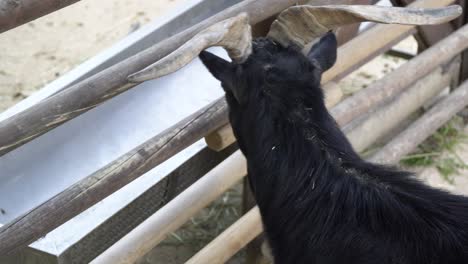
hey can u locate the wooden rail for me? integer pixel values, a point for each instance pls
(172, 216)
(14, 13)
(38, 222)
(137, 239)
(398, 80)
(425, 126)
(25, 229)
(400, 108)
(222, 248)
(87, 94)
(351, 56)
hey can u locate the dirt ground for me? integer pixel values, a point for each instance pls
(38, 52)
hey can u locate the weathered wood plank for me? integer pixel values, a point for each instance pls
(351, 56)
(246, 229)
(221, 138)
(113, 229)
(234, 238)
(72, 201)
(428, 35)
(402, 77)
(14, 13)
(425, 126)
(373, 42)
(87, 94)
(400, 108)
(87, 192)
(153, 230)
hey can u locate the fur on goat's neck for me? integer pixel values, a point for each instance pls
(319, 201)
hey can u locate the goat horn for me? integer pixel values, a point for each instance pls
(300, 25)
(233, 34)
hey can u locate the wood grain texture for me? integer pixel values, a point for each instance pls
(377, 123)
(153, 199)
(425, 126)
(234, 238)
(221, 248)
(221, 138)
(373, 42)
(401, 78)
(84, 96)
(153, 230)
(87, 94)
(38, 222)
(14, 13)
(427, 35)
(353, 54)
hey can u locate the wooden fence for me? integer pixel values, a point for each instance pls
(379, 108)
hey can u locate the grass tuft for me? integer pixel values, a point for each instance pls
(439, 151)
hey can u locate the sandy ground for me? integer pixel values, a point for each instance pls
(38, 52)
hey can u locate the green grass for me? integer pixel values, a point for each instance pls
(439, 151)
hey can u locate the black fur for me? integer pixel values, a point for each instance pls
(319, 201)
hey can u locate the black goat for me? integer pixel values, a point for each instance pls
(319, 201)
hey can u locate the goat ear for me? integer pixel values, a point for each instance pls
(324, 51)
(221, 69)
(224, 71)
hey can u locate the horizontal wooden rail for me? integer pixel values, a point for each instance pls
(391, 153)
(82, 195)
(373, 42)
(87, 94)
(25, 229)
(145, 205)
(400, 108)
(169, 218)
(401, 78)
(351, 56)
(38, 222)
(425, 126)
(14, 13)
(118, 252)
(231, 240)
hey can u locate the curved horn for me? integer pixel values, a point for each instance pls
(299, 25)
(233, 34)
